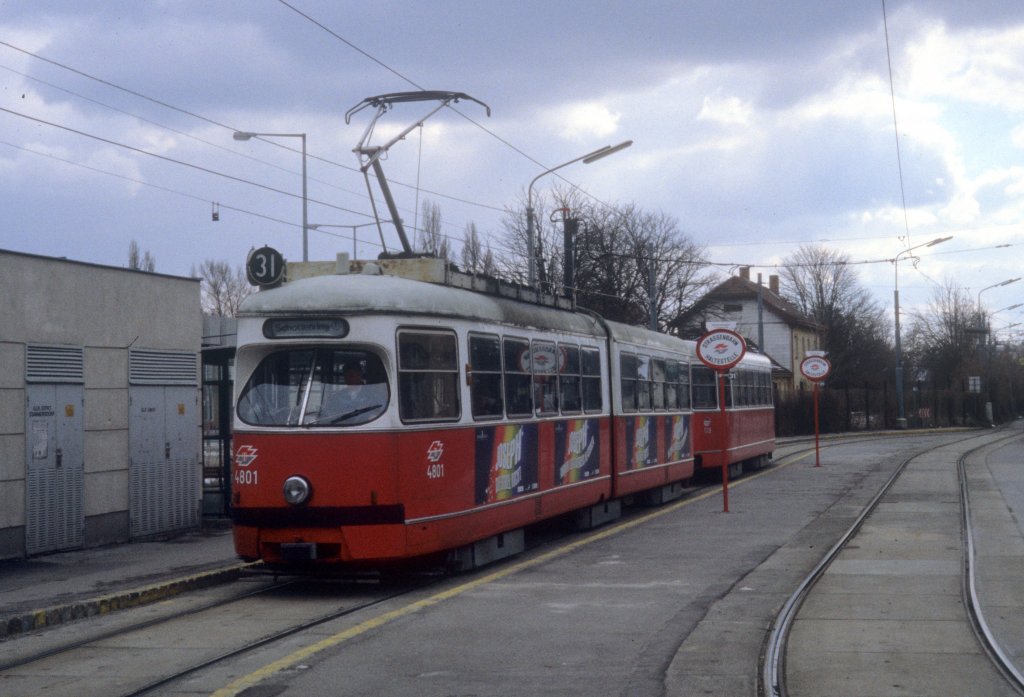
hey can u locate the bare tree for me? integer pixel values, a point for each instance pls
(430, 238)
(222, 288)
(477, 257)
(822, 284)
(617, 248)
(946, 337)
(145, 262)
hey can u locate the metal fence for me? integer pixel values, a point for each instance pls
(869, 407)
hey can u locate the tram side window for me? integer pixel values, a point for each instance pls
(643, 382)
(518, 387)
(671, 385)
(740, 388)
(627, 385)
(705, 394)
(766, 388)
(569, 378)
(545, 379)
(428, 376)
(590, 361)
(485, 369)
(658, 384)
(684, 386)
(750, 387)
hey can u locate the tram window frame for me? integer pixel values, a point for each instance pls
(627, 381)
(643, 382)
(432, 367)
(486, 380)
(569, 381)
(590, 369)
(658, 384)
(671, 385)
(307, 386)
(545, 377)
(518, 379)
(702, 388)
(685, 401)
(740, 388)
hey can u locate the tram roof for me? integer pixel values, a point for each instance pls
(381, 294)
(350, 294)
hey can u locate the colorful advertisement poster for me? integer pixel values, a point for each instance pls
(506, 462)
(677, 436)
(577, 450)
(641, 442)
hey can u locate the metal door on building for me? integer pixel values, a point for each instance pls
(54, 449)
(164, 441)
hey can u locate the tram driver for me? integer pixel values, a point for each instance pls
(354, 401)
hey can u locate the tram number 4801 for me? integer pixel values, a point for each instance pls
(435, 471)
(243, 477)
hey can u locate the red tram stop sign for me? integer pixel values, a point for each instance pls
(720, 350)
(816, 369)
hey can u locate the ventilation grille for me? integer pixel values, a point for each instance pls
(64, 364)
(162, 368)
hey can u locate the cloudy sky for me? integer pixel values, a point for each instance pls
(759, 125)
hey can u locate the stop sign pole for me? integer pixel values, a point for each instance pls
(816, 369)
(720, 350)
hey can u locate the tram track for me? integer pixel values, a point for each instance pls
(972, 602)
(134, 627)
(771, 674)
(36, 662)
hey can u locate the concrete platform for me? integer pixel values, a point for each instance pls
(57, 588)
(888, 617)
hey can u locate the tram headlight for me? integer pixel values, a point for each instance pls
(296, 490)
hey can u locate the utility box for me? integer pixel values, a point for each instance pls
(55, 448)
(100, 425)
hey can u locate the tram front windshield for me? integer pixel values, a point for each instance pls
(316, 387)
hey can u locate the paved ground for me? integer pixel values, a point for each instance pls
(676, 603)
(888, 616)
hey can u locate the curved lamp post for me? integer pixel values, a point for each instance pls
(247, 135)
(995, 285)
(901, 418)
(586, 159)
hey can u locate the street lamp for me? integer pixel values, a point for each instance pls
(246, 135)
(586, 159)
(901, 419)
(317, 226)
(995, 285)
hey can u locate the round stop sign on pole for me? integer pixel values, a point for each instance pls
(721, 349)
(816, 369)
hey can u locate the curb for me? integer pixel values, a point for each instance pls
(60, 614)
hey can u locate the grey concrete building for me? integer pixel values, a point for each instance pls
(99, 404)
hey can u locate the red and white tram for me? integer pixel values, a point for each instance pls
(381, 419)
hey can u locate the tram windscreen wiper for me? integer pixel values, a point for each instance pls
(352, 414)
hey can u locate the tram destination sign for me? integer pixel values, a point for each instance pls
(721, 349)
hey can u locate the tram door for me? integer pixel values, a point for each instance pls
(54, 449)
